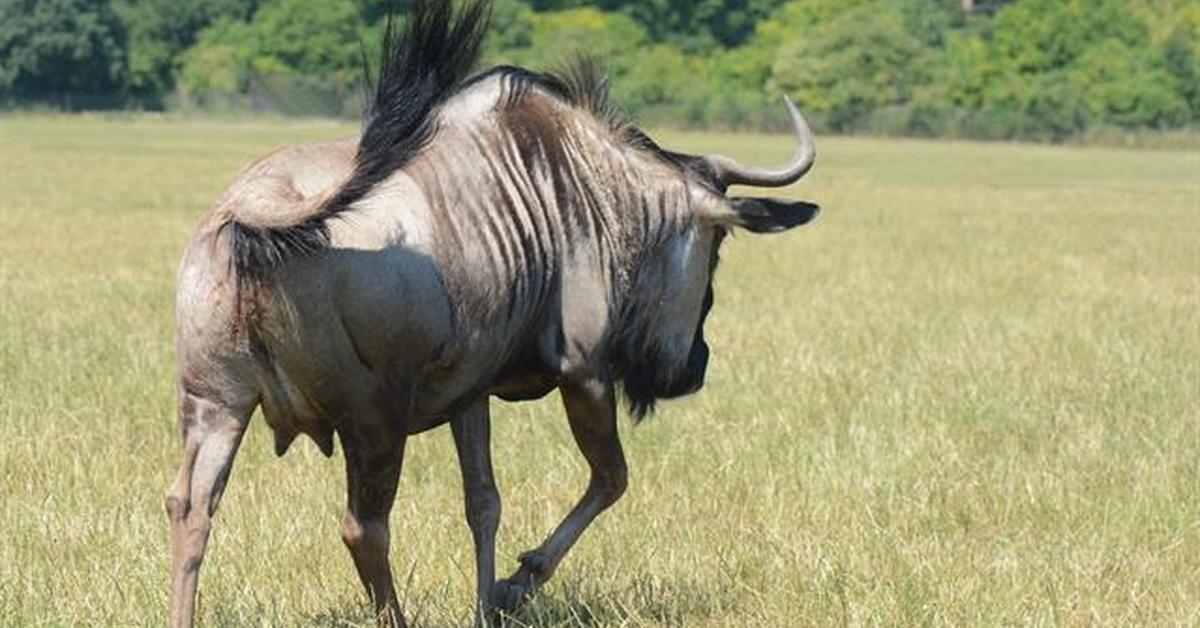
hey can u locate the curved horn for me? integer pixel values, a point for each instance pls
(729, 172)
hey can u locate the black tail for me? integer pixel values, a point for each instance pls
(421, 63)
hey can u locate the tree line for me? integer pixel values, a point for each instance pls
(1045, 69)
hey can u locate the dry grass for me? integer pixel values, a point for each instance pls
(968, 395)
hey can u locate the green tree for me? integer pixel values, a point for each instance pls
(1046, 35)
(220, 60)
(699, 25)
(307, 37)
(512, 27)
(1063, 65)
(1021, 68)
(800, 19)
(1181, 60)
(1125, 87)
(696, 25)
(292, 57)
(552, 39)
(861, 61)
(160, 30)
(64, 51)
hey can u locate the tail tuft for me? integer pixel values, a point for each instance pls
(420, 66)
(421, 63)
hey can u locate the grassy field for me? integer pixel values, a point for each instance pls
(968, 395)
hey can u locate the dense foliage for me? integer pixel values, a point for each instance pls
(1019, 68)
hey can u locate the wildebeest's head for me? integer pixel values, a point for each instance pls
(668, 357)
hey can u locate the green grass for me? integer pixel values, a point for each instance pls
(968, 395)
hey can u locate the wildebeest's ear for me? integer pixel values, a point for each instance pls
(771, 215)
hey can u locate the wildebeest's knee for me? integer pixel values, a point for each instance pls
(176, 506)
(357, 533)
(613, 482)
(352, 531)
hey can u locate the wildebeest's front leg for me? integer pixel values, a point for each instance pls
(212, 432)
(591, 410)
(373, 462)
(472, 439)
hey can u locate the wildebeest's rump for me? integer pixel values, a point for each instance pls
(506, 235)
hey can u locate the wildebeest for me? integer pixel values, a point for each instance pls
(506, 235)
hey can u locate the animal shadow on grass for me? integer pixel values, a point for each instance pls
(343, 617)
(577, 602)
(583, 601)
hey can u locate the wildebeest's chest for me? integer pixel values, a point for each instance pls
(525, 377)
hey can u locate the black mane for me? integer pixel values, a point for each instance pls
(421, 65)
(584, 84)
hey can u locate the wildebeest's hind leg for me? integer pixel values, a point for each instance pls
(212, 432)
(591, 410)
(472, 440)
(374, 456)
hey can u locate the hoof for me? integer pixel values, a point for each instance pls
(535, 565)
(512, 593)
(509, 596)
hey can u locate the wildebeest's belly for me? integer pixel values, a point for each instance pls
(318, 397)
(434, 410)
(525, 387)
